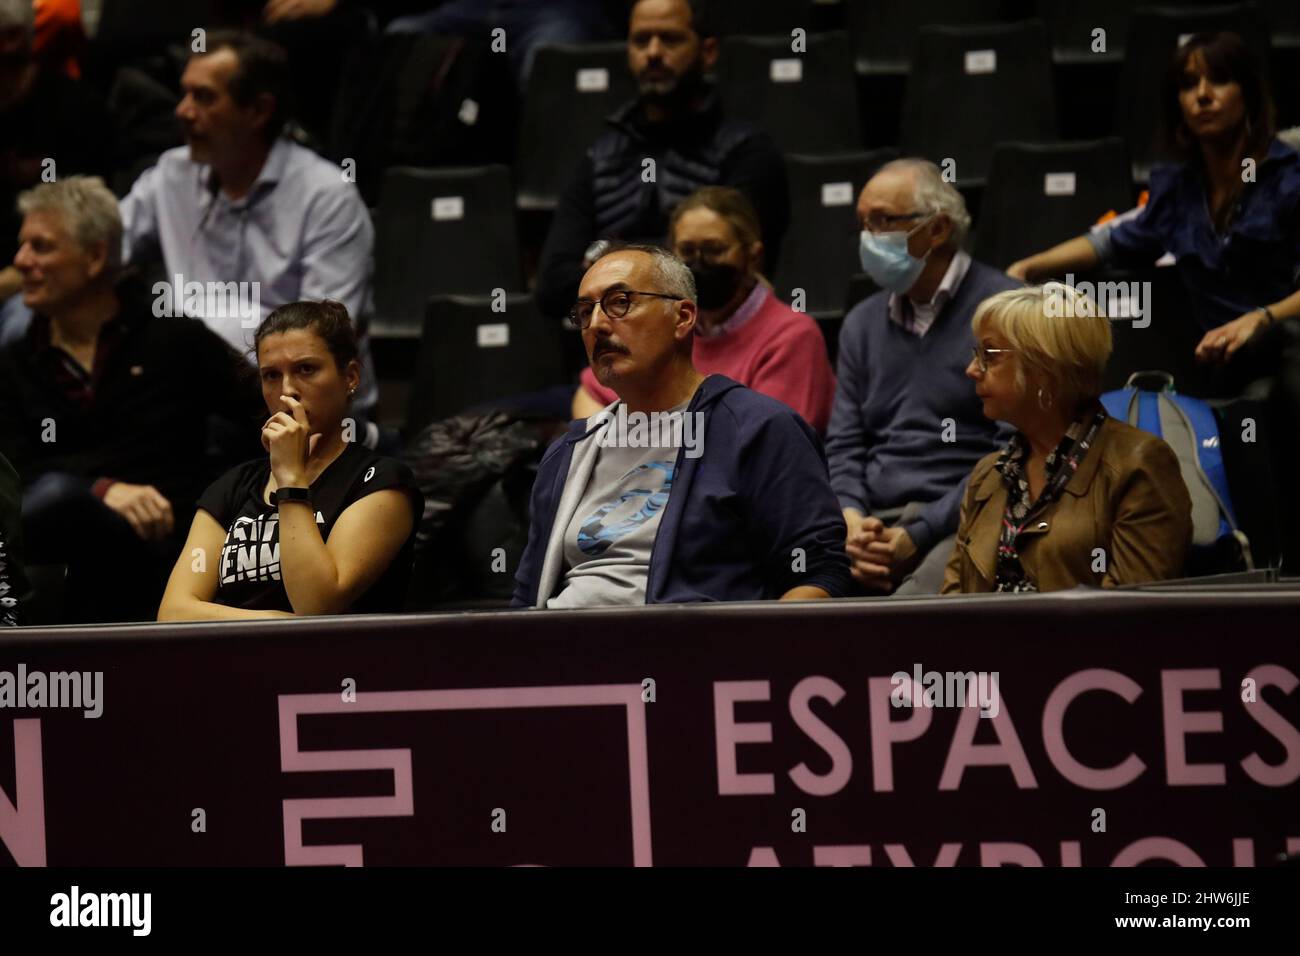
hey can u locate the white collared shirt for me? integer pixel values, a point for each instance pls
(917, 317)
(302, 232)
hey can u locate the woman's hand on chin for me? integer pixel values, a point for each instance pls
(288, 437)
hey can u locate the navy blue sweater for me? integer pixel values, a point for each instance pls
(736, 514)
(895, 392)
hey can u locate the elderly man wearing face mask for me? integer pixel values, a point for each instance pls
(743, 330)
(907, 427)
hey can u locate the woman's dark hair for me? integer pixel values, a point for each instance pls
(327, 318)
(1228, 58)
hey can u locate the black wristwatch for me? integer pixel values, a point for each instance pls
(292, 494)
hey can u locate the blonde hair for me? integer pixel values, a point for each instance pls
(89, 212)
(1059, 335)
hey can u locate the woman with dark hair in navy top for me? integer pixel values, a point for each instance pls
(1229, 213)
(321, 525)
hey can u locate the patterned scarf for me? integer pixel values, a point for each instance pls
(1059, 468)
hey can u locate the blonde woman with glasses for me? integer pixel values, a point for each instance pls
(1076, 497)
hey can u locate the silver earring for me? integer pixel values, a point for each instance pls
(1045, 406)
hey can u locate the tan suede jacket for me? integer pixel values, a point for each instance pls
(1127, 499)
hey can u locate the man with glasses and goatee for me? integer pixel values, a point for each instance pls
(685, 489)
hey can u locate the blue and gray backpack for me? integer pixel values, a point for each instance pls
(1189, 427)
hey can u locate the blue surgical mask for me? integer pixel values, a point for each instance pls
(885, 258)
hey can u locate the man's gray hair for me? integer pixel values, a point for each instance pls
(671, 274)
(89, 211)
(17, 14)
(935, 196)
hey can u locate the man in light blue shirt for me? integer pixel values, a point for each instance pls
(246, 220)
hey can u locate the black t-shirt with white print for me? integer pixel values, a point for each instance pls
(249, 572)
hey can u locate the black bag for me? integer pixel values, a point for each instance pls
(422, 100)
(476, 472)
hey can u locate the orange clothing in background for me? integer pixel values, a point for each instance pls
(1112, 214)
(59, 39)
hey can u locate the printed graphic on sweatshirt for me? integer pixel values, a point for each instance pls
(654, 481)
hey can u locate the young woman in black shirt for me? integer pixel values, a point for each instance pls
(320, 526)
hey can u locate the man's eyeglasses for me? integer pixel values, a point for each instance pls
(615, 303)
(882, 222)
(982, 355)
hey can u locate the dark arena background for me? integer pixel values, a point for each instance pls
(846, 438)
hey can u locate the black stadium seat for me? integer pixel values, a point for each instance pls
(1283, 18)
(1154, 35)
(1070, 24)
(1167, 343)
(884, 33)
(129, 29)
(972, 87)
(441, 231)
(1250, 468)
(1039, 194)
(572, 89)
(752, 17)
(44, 603)
(807, 101)
(820, 254)
(479, 347)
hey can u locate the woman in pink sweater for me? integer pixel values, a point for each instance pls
(744, 331)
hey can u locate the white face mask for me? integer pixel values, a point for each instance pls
(885, 258)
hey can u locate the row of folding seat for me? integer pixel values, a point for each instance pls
(450, 235)
(970, 87)
(454, 231)
(882, 31)
(802, 88)
(474, 348)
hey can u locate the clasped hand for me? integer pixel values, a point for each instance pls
(880, 556)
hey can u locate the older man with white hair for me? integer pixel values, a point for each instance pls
(687, 488)
(907, 427)
(104, 406)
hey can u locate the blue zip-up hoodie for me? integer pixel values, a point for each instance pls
(737, 514)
